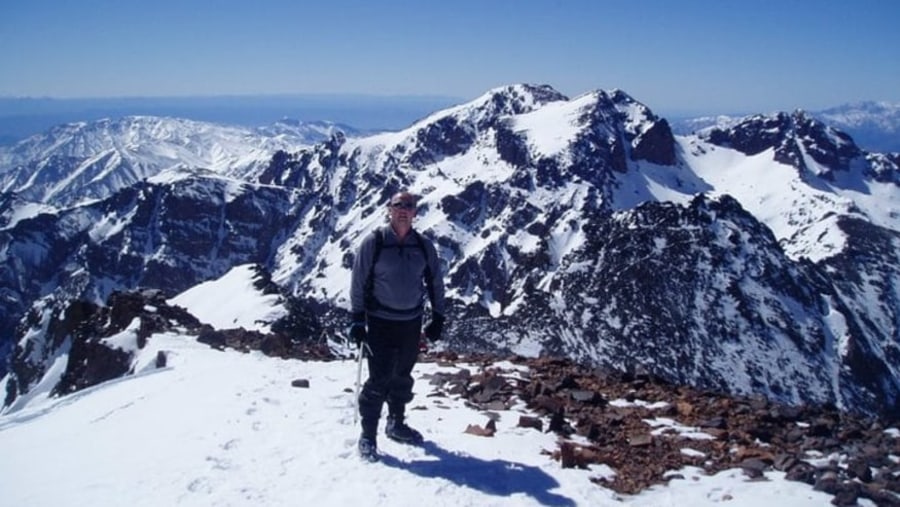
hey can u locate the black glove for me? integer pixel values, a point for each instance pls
(358, 328)
(434, 328)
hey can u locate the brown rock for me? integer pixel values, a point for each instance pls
(684, 408)
(531, 422)
(567, 454)
(859, 468)
(643, 440)
(487, 431)
(785, 462)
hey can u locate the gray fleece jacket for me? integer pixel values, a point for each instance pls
(399, 283)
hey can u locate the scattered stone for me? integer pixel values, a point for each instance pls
(641, 440)
(785, 462)
(567, 455)
(684, 408)
(531, 422)
(496, 405)
(847, 494)
(754, 468)
(859, 468)
(487, 431)
(587, 397)
(802, 472)
(572, 455)
(300, 382)
(558, 423)
(829, 482)
(713, 423)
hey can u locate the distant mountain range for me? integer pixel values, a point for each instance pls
(76, 162)
(761, 256)
(21, 118)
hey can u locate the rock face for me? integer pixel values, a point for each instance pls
(578, 228)
(791, 136)
(82, 330)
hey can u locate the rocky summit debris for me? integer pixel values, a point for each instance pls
(646, 429)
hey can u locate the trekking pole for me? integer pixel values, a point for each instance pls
(363, 346)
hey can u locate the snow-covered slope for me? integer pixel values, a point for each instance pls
(227, 428)
(246, 307)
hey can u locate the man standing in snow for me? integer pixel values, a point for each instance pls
(394, 269)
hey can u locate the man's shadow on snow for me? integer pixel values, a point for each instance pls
(494, 477)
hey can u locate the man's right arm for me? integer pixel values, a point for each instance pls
(362, 263)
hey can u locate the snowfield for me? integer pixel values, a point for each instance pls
(227, 428)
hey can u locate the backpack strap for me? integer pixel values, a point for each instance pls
(429, 279)
(370, 301)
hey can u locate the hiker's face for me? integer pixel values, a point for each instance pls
(402, 211)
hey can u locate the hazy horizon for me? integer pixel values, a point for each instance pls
(688, 57)
(26, 116)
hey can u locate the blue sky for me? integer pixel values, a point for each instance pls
(719, 56)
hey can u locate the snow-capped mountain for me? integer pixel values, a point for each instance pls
(86, 161)
(761, 257)
(874, 126)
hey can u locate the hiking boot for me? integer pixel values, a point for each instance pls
(398, 431)
(368, 449)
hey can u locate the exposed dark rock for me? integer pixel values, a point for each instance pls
(488, 430)
(656, 145)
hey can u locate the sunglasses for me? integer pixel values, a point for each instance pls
(403, 205)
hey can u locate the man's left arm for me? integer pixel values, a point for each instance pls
(435, 293)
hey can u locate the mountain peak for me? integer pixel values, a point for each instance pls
(502, 101)
(523, 93)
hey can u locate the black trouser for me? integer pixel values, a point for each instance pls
(395, 348)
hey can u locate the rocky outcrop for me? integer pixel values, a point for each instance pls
(99, 343)
(80, 330)
(791, 136)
